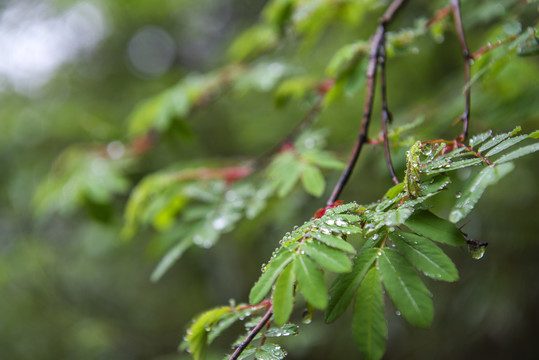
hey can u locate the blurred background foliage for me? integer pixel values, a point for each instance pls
(75, 77)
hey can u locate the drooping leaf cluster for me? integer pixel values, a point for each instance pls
(398, 238)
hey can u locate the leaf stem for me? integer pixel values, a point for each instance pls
(386, 114)
(376, 44)
(265, 319)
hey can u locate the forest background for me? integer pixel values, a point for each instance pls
(73, 72)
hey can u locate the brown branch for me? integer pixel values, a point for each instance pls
(376, 44)
(465, 118)
(252, 334)
(439, 15)
(386, 114)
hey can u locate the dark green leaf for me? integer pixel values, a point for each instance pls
(283, 295)
(369, 321)
(313, 180)
(285, 330)
(344, 287)
(425, 256)
(333, 241)
(311, 281)
(431, 226)
(474, 190)
(329, 258)
(405, 288)
(266, 280)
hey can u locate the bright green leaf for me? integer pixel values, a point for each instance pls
(283, 295)
(266, 280)
(329, 258)
(369, 322)
(425, 256)
(313, 180)
(311, 281)
(197, 335)
(333, 241)
(405, 288)
(270, 352)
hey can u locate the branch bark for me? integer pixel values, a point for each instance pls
(376, 44)
(465, 118)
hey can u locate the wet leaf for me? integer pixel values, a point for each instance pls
(311, 281)
(345, 285)
(405, 288)
(273, 270)
(425, 256)
(369, 321)
(329, 258)
(431, 226)
(475, 189)
(283, 295)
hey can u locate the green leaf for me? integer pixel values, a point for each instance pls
(283, 295)
(266, 280)
(518, 153)
(394, 191)
(333, 241)
(311, 281)
(475, 189)
(431, 226)
(253, 42)
(344, 287)
(285, 330)
(506, 144)
(270, 352)
(313, 180)
(329, 258)
(369, 322)
(170, 258)
(405, 288)
(425, 256)
(534, 135)
(197, 335)
(323, 159)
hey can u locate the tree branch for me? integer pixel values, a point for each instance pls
(376, 43)
(465, 118)
(252, 334)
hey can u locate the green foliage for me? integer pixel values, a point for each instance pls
(346, 251)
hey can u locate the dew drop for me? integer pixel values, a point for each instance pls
(341, 222)
(458, 195)
(398, 313)
(330, 222)
(220, 223)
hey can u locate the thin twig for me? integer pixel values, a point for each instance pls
(465, 118)
(386, 114)
(376, 43)
(252, 334)
(490, 46)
